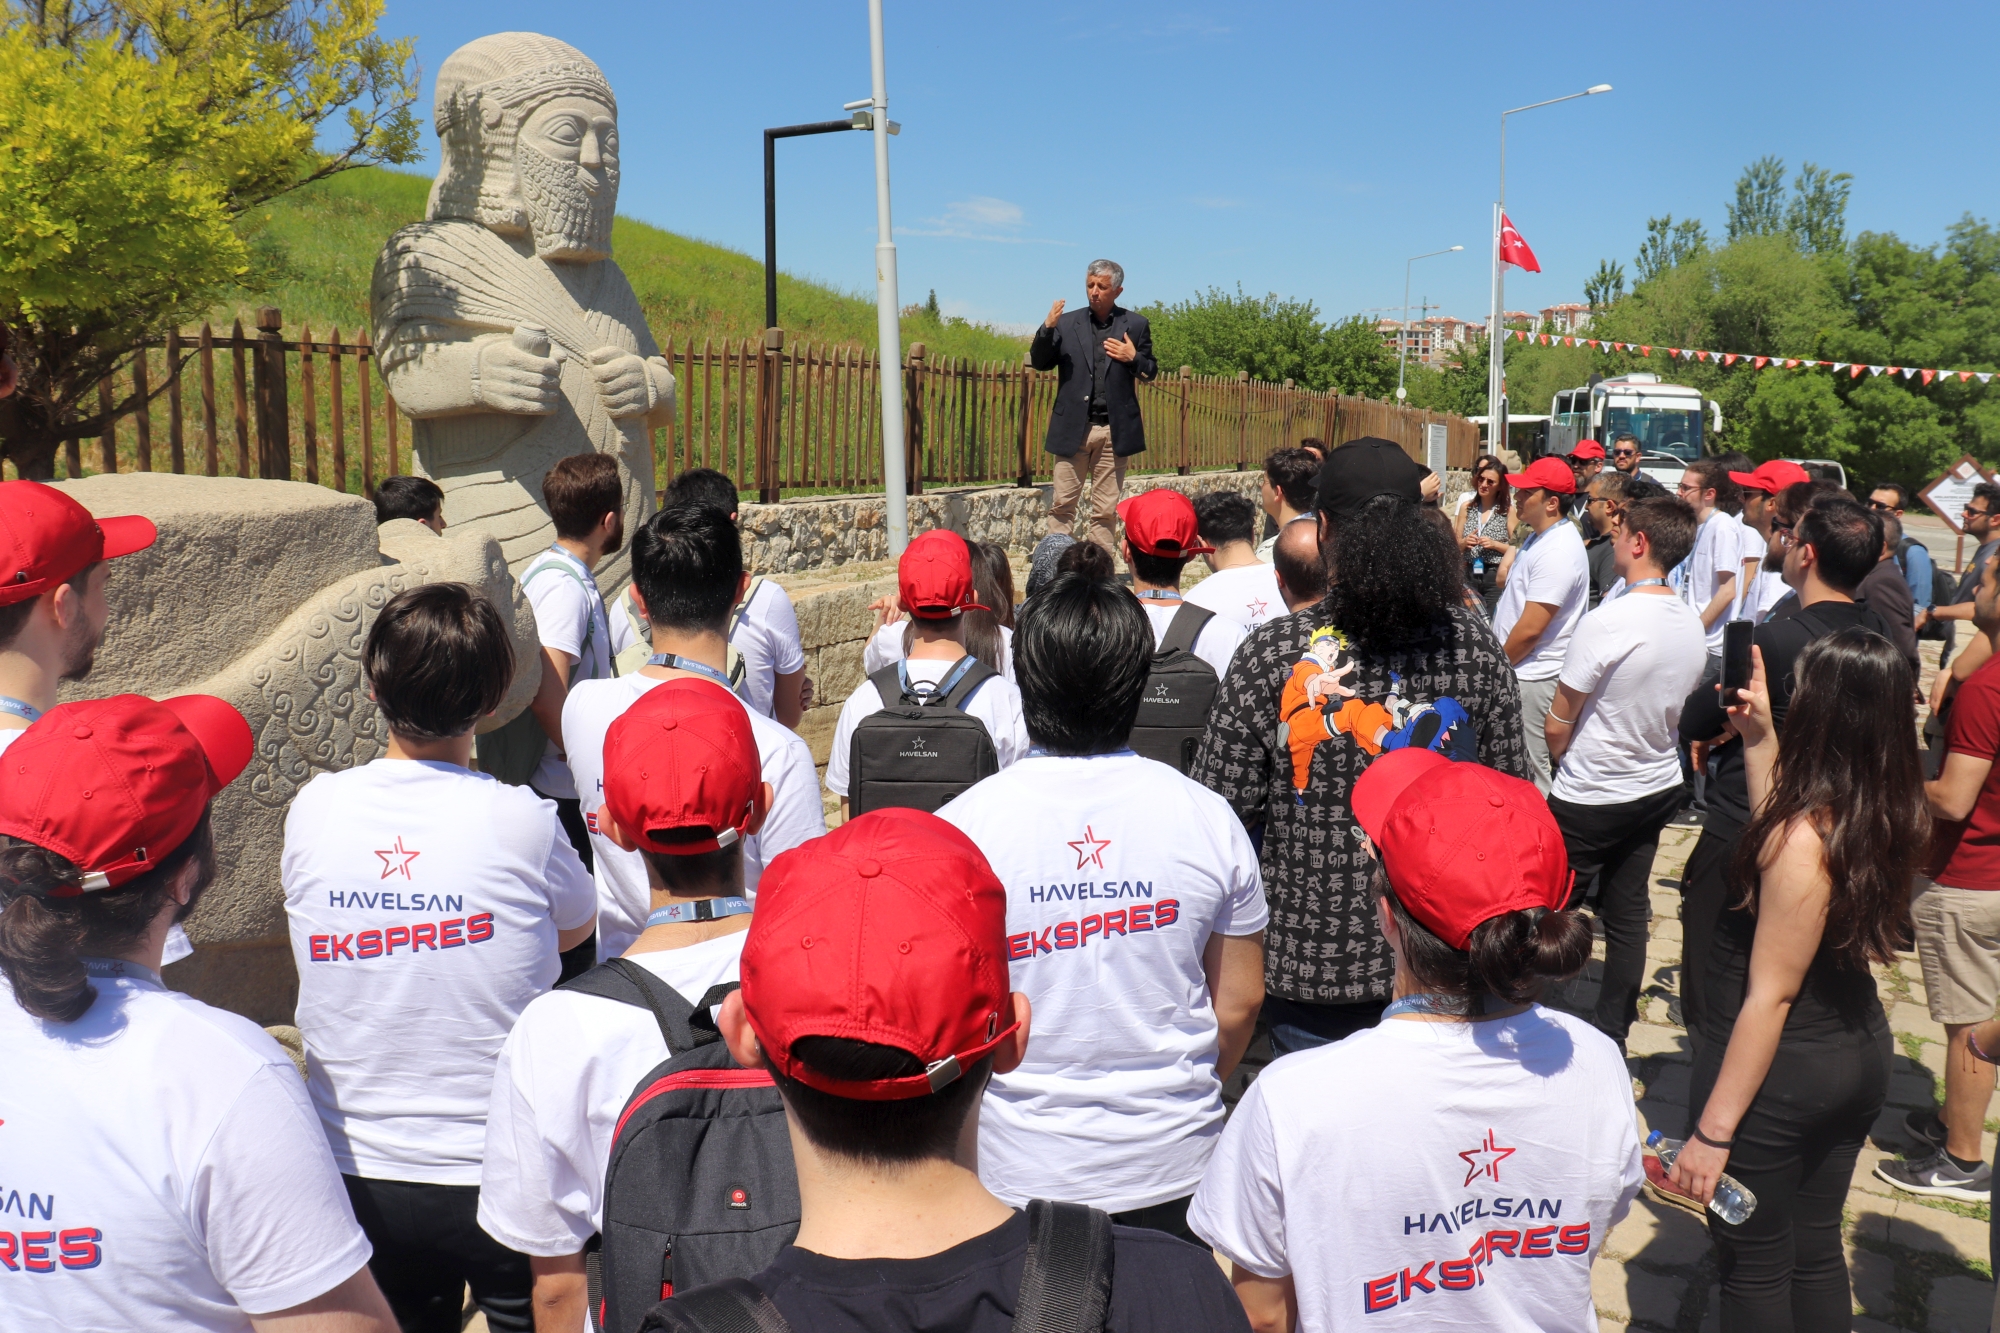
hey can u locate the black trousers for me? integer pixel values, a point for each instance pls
(428, 1247)
(1615, 844)
(1704, 895)
(1783, 1270)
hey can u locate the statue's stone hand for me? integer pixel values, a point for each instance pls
(622, 382)
(518, 375)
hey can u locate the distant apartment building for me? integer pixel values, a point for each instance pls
(1432, 341)
(1569, 317)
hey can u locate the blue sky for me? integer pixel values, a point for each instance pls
(1306, 149)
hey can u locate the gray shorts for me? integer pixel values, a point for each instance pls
(1958, 945)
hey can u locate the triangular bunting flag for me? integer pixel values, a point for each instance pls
(1929, 375)
(1673, 351)
(1854, 372)
(1758, 361)
(1791, 363)
(1542, 338)
(1731, 359)
(1876, 370)
(1964, 375)
(1838, 366)
(1646, 351)
(1897, 370)
(1985, 376)
(1618, 347)
(1569, 342)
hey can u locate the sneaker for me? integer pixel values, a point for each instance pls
(1926, 1128)
(1686, 817)
(1940, 1178)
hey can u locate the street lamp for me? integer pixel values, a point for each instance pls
(1403, 343)
(889, 330)
(860, 120)
(1496, 414)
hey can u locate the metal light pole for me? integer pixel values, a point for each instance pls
(1403, 342)
(771, 137)
(888, 325)
(1496, 412)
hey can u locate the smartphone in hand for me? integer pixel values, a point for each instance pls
(1736, 664)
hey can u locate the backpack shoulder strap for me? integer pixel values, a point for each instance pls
(888, 683)
(734, 1305)
(1186, 627)
(590, 587)
(743, 607)
(625, 981)
(1066, 1286)
(975, 675)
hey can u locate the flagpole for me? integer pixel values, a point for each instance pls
(1496, 413)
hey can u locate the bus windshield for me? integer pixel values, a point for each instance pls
(1658, 430)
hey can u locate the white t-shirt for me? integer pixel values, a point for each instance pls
(1216, 643)
(996, 703)
(1431, 1175)
(163, 1168)
(1247, 594)
(8, 736)
(1718, 550)
(623, 892)
(568, 610)
(767, 636)
(559, 1088)
(1636, 658)
(424, 903)
(1117, 871)
(885, 646)
(1551, 567)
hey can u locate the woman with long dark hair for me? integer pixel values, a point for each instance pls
(1482, 528)
(1795, 1061)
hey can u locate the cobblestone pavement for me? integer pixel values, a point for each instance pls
(1915, 1263)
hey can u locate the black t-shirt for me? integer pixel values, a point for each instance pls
(1781, 640)
(1158, 1285)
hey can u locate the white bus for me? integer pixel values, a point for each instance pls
(1671, 421)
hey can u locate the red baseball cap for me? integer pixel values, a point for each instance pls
(1771, 477)
(935, 576)
(684, 757)
(116, 784)
(47, 538)
(1550, 474)
(1587, 449)
(1161, 522)
(1460, 842)
(891, 929)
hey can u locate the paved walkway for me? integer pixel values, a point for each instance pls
(1916, 1264)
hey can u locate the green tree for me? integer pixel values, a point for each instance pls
(1353, 359)
(136, 139)
(1668, 243)
(1794, 414)
(1459, 386)
(1817, 215)
(1759, 209)
(1219, 333)
(1606, 285)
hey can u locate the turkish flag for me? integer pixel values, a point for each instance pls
(1514, 250)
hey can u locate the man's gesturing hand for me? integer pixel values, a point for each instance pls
(1055, 312)
(1120, 349)
(518, 375)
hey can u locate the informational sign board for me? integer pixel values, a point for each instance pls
(1434, 440)
(1949, 494)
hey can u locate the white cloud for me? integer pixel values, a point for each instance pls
(984, 211)
(980, 218)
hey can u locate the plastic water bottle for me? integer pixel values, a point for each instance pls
(1732, 1203)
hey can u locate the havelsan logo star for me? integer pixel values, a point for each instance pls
(396, 860)
(1485, 1159)
(1089, 849)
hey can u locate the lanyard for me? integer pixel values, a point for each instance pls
(705, 909)
(20, 708)
(675, 662)
(1644, 583)
(924, 692)
(1432, 1004)
(1159, 595)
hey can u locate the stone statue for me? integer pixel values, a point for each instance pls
(262, 592)
(504, 329)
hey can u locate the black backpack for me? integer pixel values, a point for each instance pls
(1173, 713)
(701, 1184)
(921, 748)
(1065, 1288)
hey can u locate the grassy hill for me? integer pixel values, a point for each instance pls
(316, 248)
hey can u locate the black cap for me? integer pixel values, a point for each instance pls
(1360, 470)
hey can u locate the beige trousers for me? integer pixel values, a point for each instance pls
(1095, 468)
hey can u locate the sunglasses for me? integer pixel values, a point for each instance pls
(1624, 453)
(1976, 513)
(1880, 507)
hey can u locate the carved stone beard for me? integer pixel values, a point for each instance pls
(567, 221)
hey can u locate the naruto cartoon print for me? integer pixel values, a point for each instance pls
(1319, 705)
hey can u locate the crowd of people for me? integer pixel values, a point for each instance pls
(1363, 791)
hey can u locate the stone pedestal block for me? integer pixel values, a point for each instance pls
(262, 593)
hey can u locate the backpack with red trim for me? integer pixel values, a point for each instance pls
(700, 1185)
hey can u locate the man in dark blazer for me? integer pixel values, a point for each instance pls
(1102, 353)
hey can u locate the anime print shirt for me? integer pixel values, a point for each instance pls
(1298, 718)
